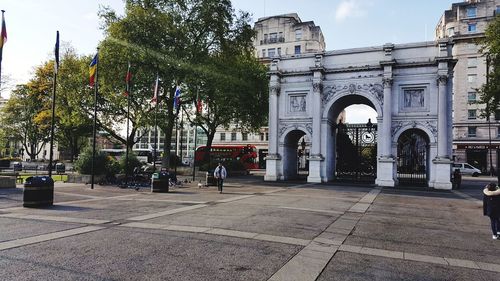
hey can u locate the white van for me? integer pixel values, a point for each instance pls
(466, 169)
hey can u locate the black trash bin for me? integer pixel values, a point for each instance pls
(38, 192)
(60, 168)
(210, 178)
(160, 182)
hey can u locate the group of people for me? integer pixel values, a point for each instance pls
(491, 207)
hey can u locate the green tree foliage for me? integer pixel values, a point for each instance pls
(133, 163)
(73, 125)
(490, 92)
(27, 113)
(203, 46)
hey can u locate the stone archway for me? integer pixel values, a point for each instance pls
(405, 84)
(351, 149)
(413, 158)
(292, 156)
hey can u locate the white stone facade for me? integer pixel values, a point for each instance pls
(465, 23)
(408, 85)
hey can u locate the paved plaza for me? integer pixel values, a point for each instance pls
(255, 230)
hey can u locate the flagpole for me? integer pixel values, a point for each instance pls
(52, 121)
(129, 93)
(155, 122)
(96, 86)
(1, 52)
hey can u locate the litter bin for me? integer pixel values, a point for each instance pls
(210, 179)
(60, 168)
(159, 182)
(38, 192)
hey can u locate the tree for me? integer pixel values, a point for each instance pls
(24, 114)
(73, 126)
(490, 92)
(202, 46)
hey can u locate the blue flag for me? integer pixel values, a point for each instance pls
(177, 98)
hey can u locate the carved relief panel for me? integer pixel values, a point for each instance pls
(297, 103)
(414, 98)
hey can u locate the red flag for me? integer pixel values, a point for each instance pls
(3, 32)
(199, 106)
(128, 77)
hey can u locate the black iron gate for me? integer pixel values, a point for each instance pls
(356, 152)
(412, 158)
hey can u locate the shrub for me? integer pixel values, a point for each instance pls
(103, 164)
(133, 162)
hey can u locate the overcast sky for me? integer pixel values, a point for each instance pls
(32, 24)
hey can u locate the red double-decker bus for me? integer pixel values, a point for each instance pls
(246, 154)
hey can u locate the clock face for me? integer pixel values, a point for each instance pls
(367, 137)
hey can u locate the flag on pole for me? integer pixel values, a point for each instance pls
(56, 53)
(3, 34)
(199, 105)
(128, 77)
(93, 70)
(177, 98)
(154, 100)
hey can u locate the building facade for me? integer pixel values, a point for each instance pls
(476, 138)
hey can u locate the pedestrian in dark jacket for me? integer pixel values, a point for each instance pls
(491, 207)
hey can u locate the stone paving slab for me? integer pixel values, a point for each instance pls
(249, 218)
(141, 254)
(358, 267)
(11, 229)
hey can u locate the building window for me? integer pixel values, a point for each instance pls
(472, 78)
(498, 132)
(497, 11)
(244, 136)
(262, 136)
(297, 50)
(471, 62)
(273, 37)
(497, 114)
(472, 27)
(263, 53)
(471, 132)
(265, 38)
(279, 51)
(451, 31)
(267, 136)
(271, 52)
(298, 34)
(233, 136)
(471, 12)
(471, 114)
(471, 97)
(281, 39)
(222, 136)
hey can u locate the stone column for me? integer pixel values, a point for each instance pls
(273, 159)
(385, 169)
(442, 162)
(442, 82)
(315, 158)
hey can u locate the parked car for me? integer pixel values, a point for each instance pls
(467, 169)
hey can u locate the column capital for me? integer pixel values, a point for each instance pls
(442, 79)
(317, 86)
(275, 89)
(387, 81)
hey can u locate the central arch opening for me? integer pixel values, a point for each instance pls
(353, 147)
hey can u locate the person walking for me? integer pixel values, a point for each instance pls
(220, 174)
(491, 207)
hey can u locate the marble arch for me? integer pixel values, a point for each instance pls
(408, 85)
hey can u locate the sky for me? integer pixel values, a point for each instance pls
(32, 25)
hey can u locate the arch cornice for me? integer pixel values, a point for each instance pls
(429, 127)
(374, 92)
(286, 128)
